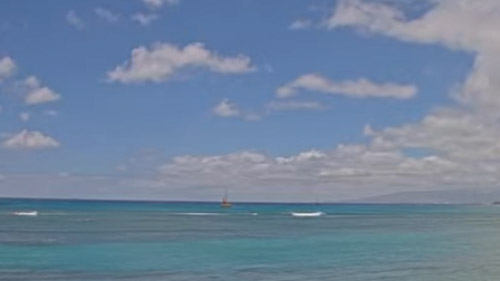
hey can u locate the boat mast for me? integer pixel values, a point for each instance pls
(224, 199)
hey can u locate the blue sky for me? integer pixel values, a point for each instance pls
(124, 129)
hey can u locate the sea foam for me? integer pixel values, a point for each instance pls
(307, 215)
(30, 213)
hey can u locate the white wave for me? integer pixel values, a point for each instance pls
(307, 215)
(30, 213)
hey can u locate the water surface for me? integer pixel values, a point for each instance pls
(100, 240)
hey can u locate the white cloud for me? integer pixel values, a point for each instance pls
(461, 141)
(7, 67)
(36, 93)
(24, 116)
(155, 4)
(73, 19)
(41, 95)
(294, 105)
(31, 82)
(458, 24)
(163, 60)
(300, 24)
(107, 15)
(346, 172)
(459, 135)
(144, 19)
(30, 140)
(349, 171)
(462, 24)
(360, 88)
(51, 113)
(226, 109)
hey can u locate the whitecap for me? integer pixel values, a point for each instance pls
(307, 215)
(29, 213)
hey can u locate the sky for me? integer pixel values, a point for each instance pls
(271, 100)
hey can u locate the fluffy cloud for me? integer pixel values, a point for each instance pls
(144, 19)
(155, 4)
(466, 25)
(349, 171)
(300, 24)
(73, 19)
(360, 88)
(462, 24)
(36, 93)
(52, 113)
(226, 109)
(24, 116)
(461, 141)
(458, 24)
(30, 140)
(107, 15)
(7, 67)
(41, 95)
(163, 60)
(460, 136)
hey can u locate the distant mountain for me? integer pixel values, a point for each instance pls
(437, 197)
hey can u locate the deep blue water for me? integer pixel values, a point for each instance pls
(91, 240)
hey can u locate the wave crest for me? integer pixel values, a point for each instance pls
(307, 215)
(25, 213)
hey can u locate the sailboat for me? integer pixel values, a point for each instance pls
(225, 203)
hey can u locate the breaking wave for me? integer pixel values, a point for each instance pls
(307, 215)
(24, 213)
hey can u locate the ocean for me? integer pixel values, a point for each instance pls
(104, 240)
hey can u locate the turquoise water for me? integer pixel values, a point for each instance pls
(89, 240)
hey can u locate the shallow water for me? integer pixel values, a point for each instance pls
(89, 240)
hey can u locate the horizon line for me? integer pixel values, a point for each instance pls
(116, 200)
